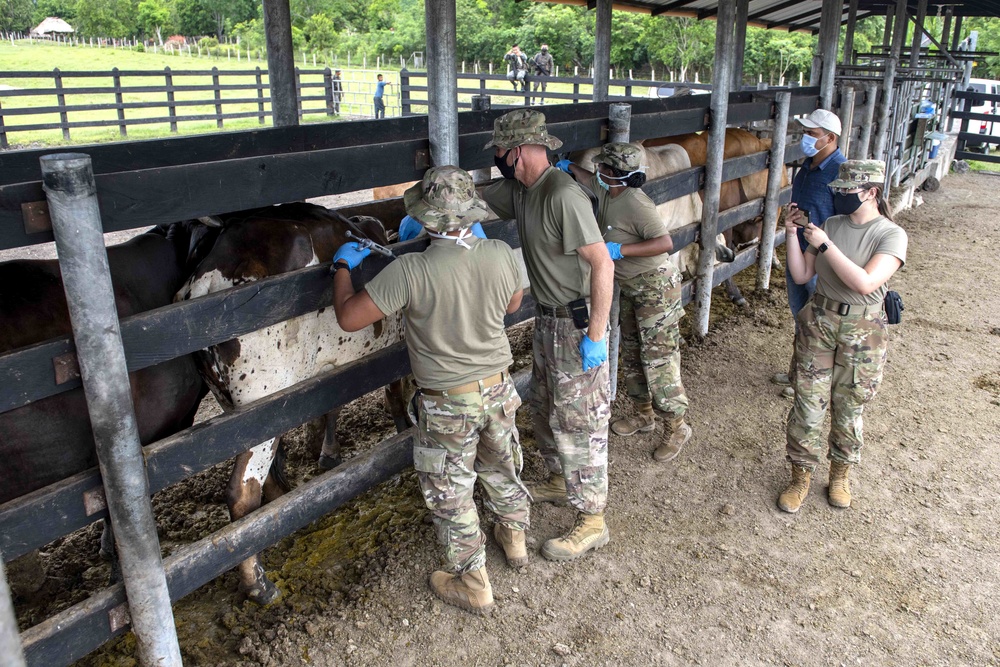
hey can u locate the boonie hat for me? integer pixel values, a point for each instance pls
(824, 119)
(859, 174)
(520, 127)
(626, 157)
(445, 200)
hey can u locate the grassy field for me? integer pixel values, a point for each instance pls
(23, 56)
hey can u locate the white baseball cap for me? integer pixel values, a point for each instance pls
(824, 119)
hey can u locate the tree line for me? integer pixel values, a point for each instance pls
(486, 30)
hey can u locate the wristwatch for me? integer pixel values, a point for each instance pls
(341, 264)
(823, 247)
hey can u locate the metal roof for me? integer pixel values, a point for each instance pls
(799, 15)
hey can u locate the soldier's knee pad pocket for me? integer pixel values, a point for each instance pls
(443, 423)
(865, 382)
(428, 460)
(582, 404)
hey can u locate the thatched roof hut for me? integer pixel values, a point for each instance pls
(53, 25)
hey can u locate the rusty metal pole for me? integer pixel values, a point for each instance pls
(68, 181)
(719, 112)
(782, 102)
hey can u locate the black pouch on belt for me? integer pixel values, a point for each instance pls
(581, 316)
(893, 306)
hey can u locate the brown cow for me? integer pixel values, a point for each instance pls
(734, 192)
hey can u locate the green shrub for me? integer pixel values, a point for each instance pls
(208, 42)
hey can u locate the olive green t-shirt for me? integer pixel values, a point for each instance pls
(453, 302)
(554, 218)
(630, 217)
(859, 243)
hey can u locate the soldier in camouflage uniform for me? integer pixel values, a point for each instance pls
(454, 296)
(650, 294)
(841, 340)
(568, 266)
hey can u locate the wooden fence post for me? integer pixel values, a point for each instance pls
(260, 97)
(328, 90)
(404, 92)
(116, 76)
(3, 131)
(776, 167)
(171, 109)
(576, 92)
(218, 97)
(61, 99)
(298, 91)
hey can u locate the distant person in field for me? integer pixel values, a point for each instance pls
(543, 69)
(379, 92)
(518, 63)
(338, 91)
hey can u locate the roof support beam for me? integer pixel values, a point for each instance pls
(936, 44)
(677, 4)
(280, 63)
(771, 10)
(791, 24)
(442, 84)
(852, 21)
(957, 37)
(602, 51)
(742, 8)
(829, 36)
(918, 22)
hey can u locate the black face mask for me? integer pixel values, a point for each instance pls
(847, 204)
(501, 162)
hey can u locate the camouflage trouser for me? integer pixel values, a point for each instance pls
(570, 411)
(838, 363)
(462, 436)
(650, 339)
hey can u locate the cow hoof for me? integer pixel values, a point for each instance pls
(740, 302)
(329, 462)
(263, 592)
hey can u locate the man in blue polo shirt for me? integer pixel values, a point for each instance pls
(811, 194)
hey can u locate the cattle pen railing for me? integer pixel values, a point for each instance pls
(137, 185)
(970, 99)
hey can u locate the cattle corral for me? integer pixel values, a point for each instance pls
(285, 164)
(716, 574)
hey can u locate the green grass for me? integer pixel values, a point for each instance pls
(44, 57)
(976, 165)
(24, 56)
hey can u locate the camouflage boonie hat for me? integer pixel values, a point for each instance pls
(626, 157)
(445, 200)
(523, 126)
(859, 173)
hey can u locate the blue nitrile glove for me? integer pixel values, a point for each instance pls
(351, 253)
(409, 228)
(477, 230)
(594, 354)
(615, 250)
(564, 165)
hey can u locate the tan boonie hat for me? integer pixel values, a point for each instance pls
(520, 127)
(859, 174)
(445, 200)
(823, 119)
(626, 157)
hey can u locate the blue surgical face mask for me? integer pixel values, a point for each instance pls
(809, 145)
(600, 182)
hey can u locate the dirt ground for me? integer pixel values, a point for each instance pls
(702, 568)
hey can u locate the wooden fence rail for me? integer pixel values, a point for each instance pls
(315, 91)
(166, 333)
(987, 140)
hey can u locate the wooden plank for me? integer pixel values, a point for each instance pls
(964, 155)
(193, 450)
(26, 374)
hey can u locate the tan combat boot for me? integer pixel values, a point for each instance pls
(791, 498)
(589, 534)
(839, 491)
(680, 433)
(644, 421)
(513, 544)
(470, 591)
(552, 490)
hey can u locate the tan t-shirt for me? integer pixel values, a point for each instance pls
(453, 301)
(554, 218)
(630, 217)
(859, 243)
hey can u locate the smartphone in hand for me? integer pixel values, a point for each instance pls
(803, 220)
